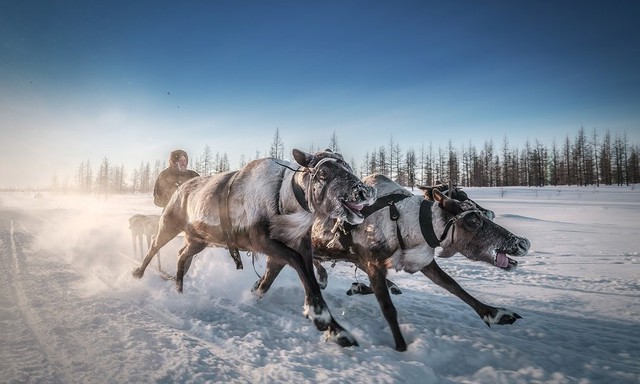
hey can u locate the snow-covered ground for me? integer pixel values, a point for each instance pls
(70, 311)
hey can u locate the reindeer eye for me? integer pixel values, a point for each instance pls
(473, 221)
(322, 174)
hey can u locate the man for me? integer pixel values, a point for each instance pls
(171, 178)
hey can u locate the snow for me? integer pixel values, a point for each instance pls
(70, 311)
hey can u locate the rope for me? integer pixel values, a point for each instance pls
(253, 263)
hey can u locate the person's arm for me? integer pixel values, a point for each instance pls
(159, 195)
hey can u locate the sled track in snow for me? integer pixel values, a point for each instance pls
(16, 271)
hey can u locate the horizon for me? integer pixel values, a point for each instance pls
(129, 82)
(194, 158)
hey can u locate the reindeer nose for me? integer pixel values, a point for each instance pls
(364, 192)
(523, 246)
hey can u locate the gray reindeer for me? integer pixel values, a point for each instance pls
(402, 231)
(267, 207)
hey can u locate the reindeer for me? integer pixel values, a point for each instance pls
(267, 207)
(142, 226)
(359, 288)
(402, 231)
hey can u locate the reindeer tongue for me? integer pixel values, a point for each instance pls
(502, 260)
(355, 207)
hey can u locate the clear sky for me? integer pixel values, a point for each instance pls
(132, 80)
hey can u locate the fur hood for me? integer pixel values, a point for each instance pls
(175, 155)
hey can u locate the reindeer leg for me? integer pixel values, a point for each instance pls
(184, 260)
(164, 236)
(133, 244)
(140, 245)
(363, 289)
(490, 315)
(377, 277)
(272, 270)
(322, 276)
(315, 306)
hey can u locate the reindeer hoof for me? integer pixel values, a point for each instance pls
(509, 318)
(401, 347)
(257, 291)
(138, 273)
(395, 290)
(501, 316)
(342, 338)
(359, 289)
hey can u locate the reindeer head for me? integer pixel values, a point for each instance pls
(471, 233)
(332, 190)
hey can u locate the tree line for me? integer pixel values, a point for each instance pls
(586, 159)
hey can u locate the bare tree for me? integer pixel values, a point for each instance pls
(333, 143)
(382, 164)
(104, 173)
(277, 146)
(505, 161)
(243, 161)
(634, 164)
(221, 163)
(596, 166)
(400, 176)
(410, 167)
(487, 158)
(452, 164)
(207, 162)
(568, 171)
(619, 149)
(553, 171)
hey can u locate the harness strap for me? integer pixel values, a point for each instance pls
(385, 201)
(426, 226)
(307, 203)
(225, 220)
(299, 194)
(382, 202)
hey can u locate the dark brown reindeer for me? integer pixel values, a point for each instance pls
(403, 235)
(267, 207)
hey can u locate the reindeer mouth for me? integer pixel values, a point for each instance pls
(353, 208)
(501, 260)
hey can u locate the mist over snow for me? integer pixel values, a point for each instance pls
(70, 311)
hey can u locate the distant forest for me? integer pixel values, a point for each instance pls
(586, 159)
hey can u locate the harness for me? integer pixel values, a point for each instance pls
(225, 220)
(343, 235)
(306, 199)
(429, 235)
(223, 201)
(343, 229)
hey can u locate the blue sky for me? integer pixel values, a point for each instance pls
(130, 81)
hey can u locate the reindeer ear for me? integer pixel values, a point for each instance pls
(426, 191)
(447, 204)
(302, 158)
(438, 196)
